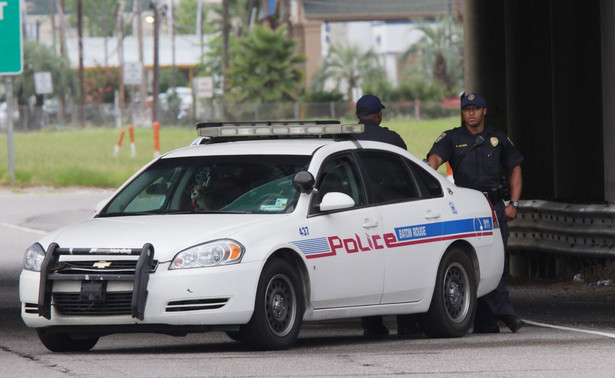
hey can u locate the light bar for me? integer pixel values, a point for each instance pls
(291, 128)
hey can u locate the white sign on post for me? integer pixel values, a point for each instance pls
(43, 83)
(203, 86)
(132, 73)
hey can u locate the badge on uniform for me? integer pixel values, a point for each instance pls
(440, 137)
(494, 141)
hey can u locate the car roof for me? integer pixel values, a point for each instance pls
(304, 146)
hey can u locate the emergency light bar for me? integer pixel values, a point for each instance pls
(275, 128)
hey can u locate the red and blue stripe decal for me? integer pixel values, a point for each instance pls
(403, 236)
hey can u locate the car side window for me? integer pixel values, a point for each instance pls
(388, 176)
(429, 185)
(340, 174)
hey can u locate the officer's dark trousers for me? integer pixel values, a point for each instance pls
(497, 303)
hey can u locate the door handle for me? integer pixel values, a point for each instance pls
(431, 214)
(368, 223)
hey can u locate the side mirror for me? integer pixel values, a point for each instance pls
(336, 201)
(303, 182)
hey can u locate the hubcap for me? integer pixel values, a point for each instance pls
(456, 292)
(280, 305)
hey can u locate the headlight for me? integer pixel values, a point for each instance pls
(219, 252)
(33, 258)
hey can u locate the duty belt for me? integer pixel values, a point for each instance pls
(493, 195)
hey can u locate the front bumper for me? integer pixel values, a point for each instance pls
(211, 296)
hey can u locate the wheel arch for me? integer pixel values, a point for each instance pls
(295, 259)
(470, 252)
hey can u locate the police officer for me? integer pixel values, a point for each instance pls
(478, 155)
(369, 112)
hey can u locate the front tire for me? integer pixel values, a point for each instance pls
(454, 299)
(64, 342)
(278, 309)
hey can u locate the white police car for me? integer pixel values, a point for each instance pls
(259, 228)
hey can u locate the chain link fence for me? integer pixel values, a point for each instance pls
(56, 115)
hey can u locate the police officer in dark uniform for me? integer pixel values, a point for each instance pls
(478, 155)
(369, 112)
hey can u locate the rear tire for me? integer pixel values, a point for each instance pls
(278, 309)
(454, 299)
(64, 342)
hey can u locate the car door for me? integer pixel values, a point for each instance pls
(347, 263)
(411, 220)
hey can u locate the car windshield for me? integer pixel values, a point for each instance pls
(219, 184)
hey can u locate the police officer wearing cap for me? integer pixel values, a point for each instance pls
(478, 155)
(369, 113)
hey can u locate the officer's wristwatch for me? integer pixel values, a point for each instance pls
(515, 204)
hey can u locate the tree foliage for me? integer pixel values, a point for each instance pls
(238, 17)
(347, 67)
(440, 54)
(186, 17)
(98, 17)
(211, 61)
(263, 66)
(41, 58)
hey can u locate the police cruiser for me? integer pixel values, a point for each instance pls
(258, 227)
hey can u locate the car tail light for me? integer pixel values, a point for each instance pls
(494, 216)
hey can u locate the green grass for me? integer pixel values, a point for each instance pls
(84, 157)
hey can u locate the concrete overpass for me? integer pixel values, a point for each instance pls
(547, 70)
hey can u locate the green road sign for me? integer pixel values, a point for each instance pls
(11, 43)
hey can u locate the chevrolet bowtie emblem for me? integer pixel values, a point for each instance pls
(102, 264)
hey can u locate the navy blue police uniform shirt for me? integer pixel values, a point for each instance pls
(377, 133)
(480, 167)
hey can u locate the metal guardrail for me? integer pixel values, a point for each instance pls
(562, 228)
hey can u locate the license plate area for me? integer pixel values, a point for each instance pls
(93, 291)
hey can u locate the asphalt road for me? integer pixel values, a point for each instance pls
(570, 331)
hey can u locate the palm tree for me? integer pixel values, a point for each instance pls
(264, 66)
(348, 67)
(440, 52)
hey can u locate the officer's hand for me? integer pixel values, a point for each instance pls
(510, 212)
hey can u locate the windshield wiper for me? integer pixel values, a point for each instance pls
(172, 212)
(122, 214)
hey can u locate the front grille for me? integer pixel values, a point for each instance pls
(71, 304)
(196, 304)
(99, 267)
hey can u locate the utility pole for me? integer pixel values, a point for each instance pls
(199, 26)
(172, 22)
(154, 6)
(52, 17)
(81, 71)
(226, 29)
(105, 28)
(251, 9)
(285, 17)
(120, 56)
(143, 86)
(63, 52)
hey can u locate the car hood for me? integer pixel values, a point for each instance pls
(168, 234)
